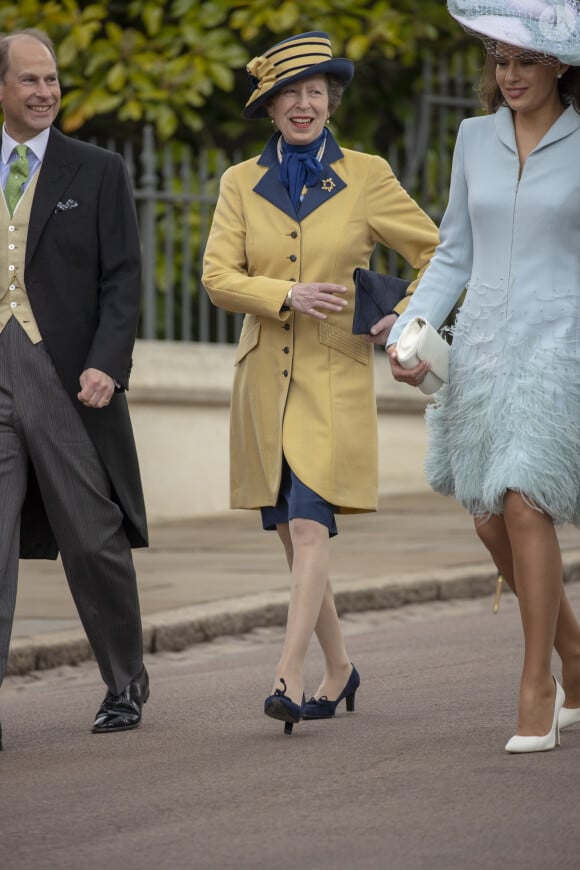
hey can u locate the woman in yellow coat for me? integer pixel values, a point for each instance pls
(289, 228)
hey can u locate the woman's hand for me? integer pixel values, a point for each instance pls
(315, 299)
(380, 331)
(414, 376)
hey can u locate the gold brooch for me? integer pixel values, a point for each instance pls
(328, 185)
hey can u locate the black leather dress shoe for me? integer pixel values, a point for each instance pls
(122, 712)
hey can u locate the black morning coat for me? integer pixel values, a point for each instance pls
(83, 278)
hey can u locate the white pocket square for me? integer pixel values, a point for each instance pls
(419, 341)
(65, 206)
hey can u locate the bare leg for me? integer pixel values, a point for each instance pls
(537, 571)
(494, 536)
(338, 666)
(283, 530)
(309, 565)
(328, 631)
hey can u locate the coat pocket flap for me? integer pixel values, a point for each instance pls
(336, 338)
(248, 341)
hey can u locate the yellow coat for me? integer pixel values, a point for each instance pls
(304, 387)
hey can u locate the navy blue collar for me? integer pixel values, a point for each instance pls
(272, 189)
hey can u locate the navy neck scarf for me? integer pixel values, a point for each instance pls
(299, 167)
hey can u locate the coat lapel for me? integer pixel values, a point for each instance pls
(504, 127)
(567, 123)
(330, 184)
(56, 172)
(270, 186)
(272, 189)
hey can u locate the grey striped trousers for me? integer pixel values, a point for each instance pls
(38, 424)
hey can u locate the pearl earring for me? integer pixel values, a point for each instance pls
(559, 75)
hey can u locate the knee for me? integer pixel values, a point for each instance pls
(306, 533)
(520, 515)
(106, 544)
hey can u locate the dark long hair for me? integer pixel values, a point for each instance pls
(491, 97)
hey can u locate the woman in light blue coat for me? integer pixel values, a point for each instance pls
(504, 433)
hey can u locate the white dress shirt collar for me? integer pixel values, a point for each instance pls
(37, 144)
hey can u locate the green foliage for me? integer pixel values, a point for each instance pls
(179, 64)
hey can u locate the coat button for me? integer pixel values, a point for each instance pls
(286, 326)
(294, 234)
(293, 257)
(285, 373)
(286, 350)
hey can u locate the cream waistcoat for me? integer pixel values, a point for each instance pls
(14, 301)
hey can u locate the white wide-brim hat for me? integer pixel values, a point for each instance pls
(542, 27)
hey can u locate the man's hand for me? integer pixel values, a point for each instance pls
(97, 388)
(310, 298)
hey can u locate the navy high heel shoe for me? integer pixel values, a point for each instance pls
(322, 708)
(278, 706)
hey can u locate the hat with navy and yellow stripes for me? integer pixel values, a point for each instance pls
(299, 57)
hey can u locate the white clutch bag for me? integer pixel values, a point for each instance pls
(419, 342)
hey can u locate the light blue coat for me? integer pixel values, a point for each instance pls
(510, 416)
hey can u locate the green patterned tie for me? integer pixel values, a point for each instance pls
(19, 172)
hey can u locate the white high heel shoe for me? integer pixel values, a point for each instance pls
(568, 717)
(547, 741)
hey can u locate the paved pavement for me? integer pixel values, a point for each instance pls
(416, 779)
(220, 575)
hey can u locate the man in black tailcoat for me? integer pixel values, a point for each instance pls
(69, 305)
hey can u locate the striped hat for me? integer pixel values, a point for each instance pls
(299, 57)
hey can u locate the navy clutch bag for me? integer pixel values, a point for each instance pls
(375, 296)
